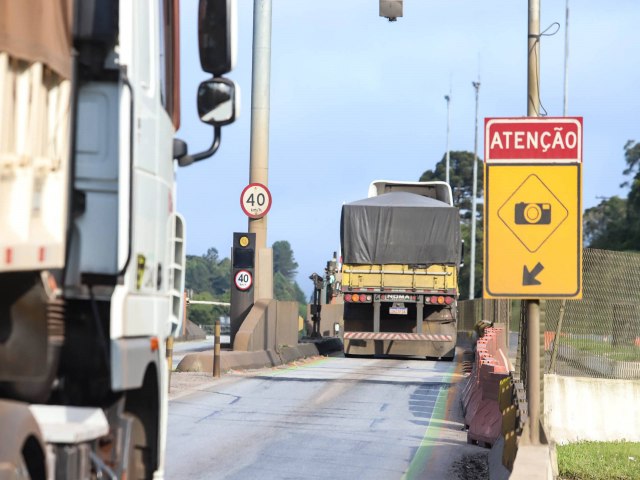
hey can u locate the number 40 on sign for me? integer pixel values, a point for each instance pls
(255, 200)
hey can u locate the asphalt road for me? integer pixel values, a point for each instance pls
(338, 418)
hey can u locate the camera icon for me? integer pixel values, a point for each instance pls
(532, 213)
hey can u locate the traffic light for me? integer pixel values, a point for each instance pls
(243, 259)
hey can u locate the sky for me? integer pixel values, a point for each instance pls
(356, 98)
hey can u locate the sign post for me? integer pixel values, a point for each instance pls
(533, 208)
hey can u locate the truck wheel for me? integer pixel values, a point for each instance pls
(138, 465)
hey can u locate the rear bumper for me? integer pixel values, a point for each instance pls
(437, 345)
(397, 336)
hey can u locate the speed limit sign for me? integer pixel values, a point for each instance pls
(255, 200)
(243, 280)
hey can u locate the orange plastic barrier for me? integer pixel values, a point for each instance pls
(481, 409)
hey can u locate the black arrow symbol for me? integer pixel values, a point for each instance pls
(529, 277)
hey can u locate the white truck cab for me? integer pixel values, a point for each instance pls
(92, 250)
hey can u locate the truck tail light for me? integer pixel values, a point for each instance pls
(439, 300)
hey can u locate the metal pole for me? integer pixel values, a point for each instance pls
(566, 61)
(260, 88)
(533, 74)
(170, 357)
(533, 306)
(216, 349)
(472, 261)
(556, 338)
(448, 99)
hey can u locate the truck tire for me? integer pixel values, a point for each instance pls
(138, 465)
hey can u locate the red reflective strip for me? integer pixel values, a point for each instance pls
(41, 252)
(8, 256)
(397, 336)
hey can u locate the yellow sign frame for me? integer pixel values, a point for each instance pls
(533, 230)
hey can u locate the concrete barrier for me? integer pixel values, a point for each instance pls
(580, 408)
(234, 360)
(269, 325)
(268, 337)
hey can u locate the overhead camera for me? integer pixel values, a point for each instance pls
(391, 9)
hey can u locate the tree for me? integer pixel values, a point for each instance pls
(283, 261)
(614, 224)
(461, 181)
(209, 279)
(284, 272)
(605, 224)
(632, 158)
(460, 178)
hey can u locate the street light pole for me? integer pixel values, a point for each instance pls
(448, 99)
(259, 154)
(472, 269)
(566, 61)
(533, 306)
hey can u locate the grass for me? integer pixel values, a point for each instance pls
(621, 353)
(599, 461)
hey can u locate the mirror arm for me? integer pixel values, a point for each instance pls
(214, 146)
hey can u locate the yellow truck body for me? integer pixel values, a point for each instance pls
(431, 279)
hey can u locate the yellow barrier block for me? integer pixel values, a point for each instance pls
(509, 419)
(510, 450)
(505, 395)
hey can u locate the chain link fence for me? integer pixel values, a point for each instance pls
(598, 336)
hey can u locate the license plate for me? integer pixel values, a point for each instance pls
(398, 310)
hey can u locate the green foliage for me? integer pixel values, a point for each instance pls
(209, 278)
(208, 314)
(632, 157)
(465, 272)
(284, 272)
(208, 273)
(605, 224)
(283, 261)
(614, 224)
(284, 289)
(599, 461)
(461, 181)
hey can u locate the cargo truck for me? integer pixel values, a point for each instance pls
(401, 254)
(92, 250)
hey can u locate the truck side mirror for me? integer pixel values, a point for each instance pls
(462, 254)
(217, 35)
(217, 103)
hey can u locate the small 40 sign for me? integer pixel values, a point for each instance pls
(255, 200)
(243, 280)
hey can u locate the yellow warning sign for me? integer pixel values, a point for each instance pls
(533, 231)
